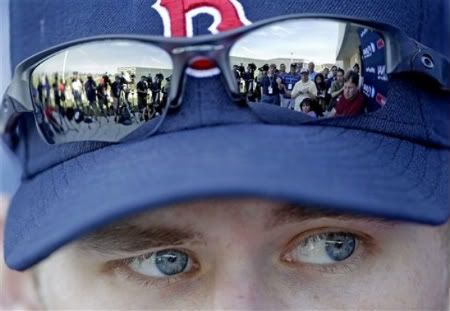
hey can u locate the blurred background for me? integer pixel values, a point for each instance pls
(9, 168)
(13, 288)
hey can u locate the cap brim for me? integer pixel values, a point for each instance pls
(347, 170)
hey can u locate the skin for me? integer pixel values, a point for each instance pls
(334, 71)
(350, 90)
(311, 67)
(245, 257)
(305, 77)
(340, 79)
(340, 76)
(306, 108)
(272, 69)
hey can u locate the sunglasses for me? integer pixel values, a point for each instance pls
(104, 88)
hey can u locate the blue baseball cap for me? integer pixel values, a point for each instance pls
(392, 164)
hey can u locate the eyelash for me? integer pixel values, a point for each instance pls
(121, 269)
(365, 246)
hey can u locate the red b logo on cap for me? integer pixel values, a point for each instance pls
(177, 15)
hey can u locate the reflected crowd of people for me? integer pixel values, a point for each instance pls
(328, 93)
(119, 98)
(126, 100)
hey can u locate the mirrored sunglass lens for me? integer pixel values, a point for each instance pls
(321, 68)
(101, 91)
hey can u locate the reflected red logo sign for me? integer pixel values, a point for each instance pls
(177, 15)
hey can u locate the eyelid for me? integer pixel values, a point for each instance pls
(121, 269)
(365, 247)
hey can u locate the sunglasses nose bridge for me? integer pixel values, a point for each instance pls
(199, 57)
(201, 61)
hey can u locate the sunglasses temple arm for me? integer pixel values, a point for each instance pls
(415, 57)
(444, 73)
(7, 113)
(10, 110)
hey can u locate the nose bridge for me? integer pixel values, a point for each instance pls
(238, 283)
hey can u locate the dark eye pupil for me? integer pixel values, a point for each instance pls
(171, 262)
(340, 245)
(171, 259)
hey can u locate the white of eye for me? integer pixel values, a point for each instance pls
(313, 249)
(147, 265)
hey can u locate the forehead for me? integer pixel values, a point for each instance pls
(237, 211)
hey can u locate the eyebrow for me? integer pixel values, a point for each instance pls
(130, 238)
(293, 213)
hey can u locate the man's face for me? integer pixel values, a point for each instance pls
(311, 67)
(305, 77)
(350, 90)
(340, 77)
(334, 71)
(283, 68)
(249, 254)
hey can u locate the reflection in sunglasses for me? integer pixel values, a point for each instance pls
(324, 60)
(104, 90)
(101, 88)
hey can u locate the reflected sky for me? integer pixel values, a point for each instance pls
(105, 56)
(314, 40)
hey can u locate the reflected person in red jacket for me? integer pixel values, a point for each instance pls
(351, 103)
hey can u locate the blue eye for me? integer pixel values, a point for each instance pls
(339, 246)
(171, 262)
(325, 248)
(164, 263)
